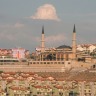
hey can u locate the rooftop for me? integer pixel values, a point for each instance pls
(63, 47)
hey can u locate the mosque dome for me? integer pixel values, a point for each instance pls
(64, 47)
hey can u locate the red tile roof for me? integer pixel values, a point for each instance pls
(18, 88)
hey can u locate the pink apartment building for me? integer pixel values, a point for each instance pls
(18, 53)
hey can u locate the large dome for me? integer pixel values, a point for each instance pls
(64, 47)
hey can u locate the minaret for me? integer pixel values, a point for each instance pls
(42, 41)
(74, 43)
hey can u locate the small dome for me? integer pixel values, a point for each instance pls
(63, 47)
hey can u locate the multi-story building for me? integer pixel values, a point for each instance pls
(6, 52)
(47, 84)
(15, 53)
(18, 53)
(86, 47)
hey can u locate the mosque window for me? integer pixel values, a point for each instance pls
(94, 66)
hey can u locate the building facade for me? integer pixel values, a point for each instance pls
(18, 53)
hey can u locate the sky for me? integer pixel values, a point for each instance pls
(21, 22)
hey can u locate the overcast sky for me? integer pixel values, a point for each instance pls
(21, 22)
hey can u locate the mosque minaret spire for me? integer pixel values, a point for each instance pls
(42, 40)
(74, 43)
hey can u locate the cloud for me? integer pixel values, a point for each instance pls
(55, 38)
(18, 25)
(46, 12)
(4, 35)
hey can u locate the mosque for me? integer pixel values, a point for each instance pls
(61, 53)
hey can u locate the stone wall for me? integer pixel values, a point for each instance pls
(22, 67)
